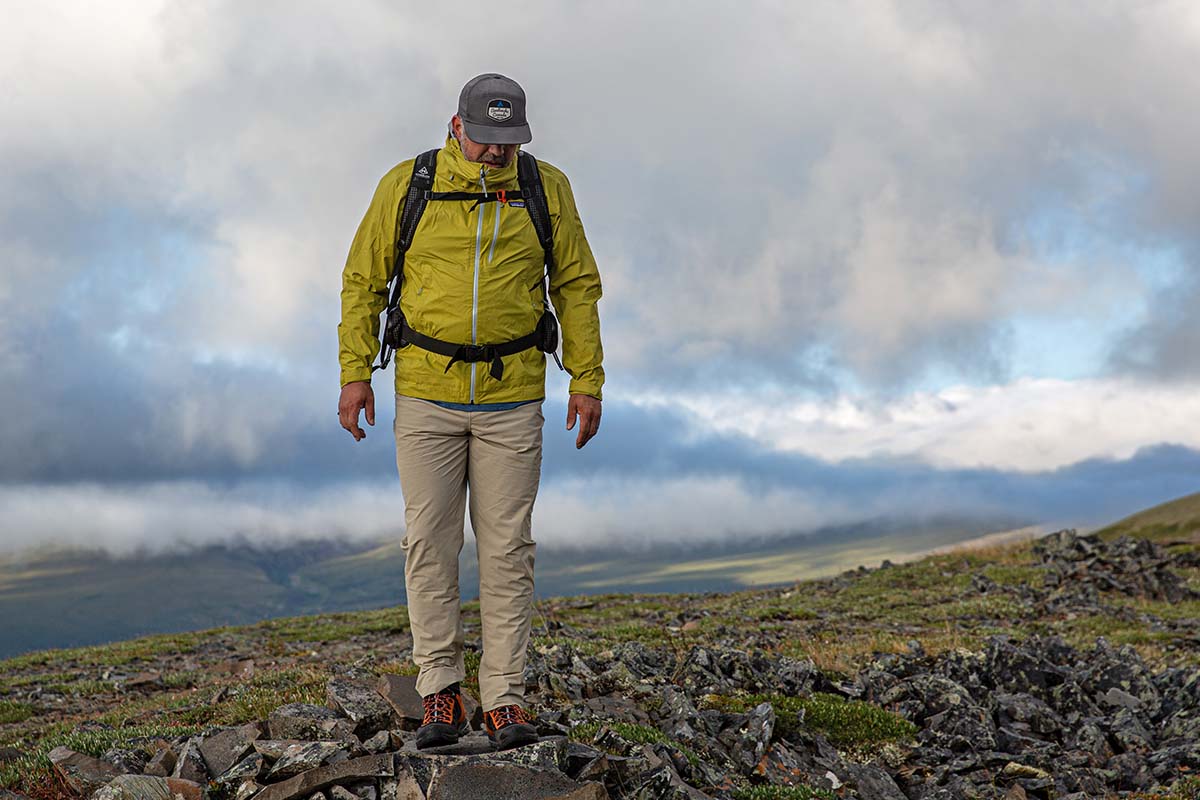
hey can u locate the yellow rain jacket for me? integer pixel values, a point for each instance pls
(472, 276)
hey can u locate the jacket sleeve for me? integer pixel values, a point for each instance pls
(365, 281)
(575, 291)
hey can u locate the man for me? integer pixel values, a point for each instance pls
(472, 276)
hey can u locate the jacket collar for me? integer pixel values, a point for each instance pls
(452, 156)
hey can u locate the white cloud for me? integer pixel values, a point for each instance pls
(846, 177)
(165, 516)
(1026, 426)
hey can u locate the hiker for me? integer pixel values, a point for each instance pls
(480, 238)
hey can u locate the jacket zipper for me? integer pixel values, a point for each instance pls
(475, 289)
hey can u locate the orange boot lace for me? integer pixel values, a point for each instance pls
(508, 715)
(440, 707)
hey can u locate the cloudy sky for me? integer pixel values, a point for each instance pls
(859, 259)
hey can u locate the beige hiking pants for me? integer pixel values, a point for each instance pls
(498, 454)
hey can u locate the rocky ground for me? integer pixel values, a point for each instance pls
(1064, 669)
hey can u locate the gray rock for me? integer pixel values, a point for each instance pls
(83, 774)
(189, 765)
(300, 721)
(149, 787)
(400, 692)
(246, 790)
(549, 752)
(161, 764)
(664, 783)
(779, 766)
(364, 790)
(506, 782)
(252, 766)
(1129, 731)
(1028, 712)
(222, 750)
(402, 787)
(303, 785)
(379, 743)
(474, 743)
(1119, 698)
(127, 759)
(358, 701)
(873, 783)
(303, 757)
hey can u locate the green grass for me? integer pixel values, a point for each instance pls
(334, 627)
(1177, 519)
(12, 711)
(32, 768)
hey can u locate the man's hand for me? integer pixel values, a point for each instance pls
(588, 410)
(356, 396)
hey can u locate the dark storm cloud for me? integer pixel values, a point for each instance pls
(819, 198)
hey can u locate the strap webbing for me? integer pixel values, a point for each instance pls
(499, 196)
(530, 181)
(419, 185)
(472, 352)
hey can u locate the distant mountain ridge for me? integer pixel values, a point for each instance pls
(52, 597)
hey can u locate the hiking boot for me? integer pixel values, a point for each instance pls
(445, 718)
(509, 726)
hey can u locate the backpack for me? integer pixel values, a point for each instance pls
(396, 332)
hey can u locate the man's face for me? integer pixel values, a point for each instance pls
(492, 155)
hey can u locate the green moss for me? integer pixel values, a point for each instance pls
(845, 723)
(782, 611)
(782, 793)
(633, 732)
(1182, 789)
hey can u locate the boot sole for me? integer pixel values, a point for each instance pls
(519, 735)
(440, 734)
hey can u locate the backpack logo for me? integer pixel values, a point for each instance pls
(500, 110)
(423, 172)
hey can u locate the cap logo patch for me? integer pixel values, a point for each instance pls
(500, 110)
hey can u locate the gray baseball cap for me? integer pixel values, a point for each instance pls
(492, 108)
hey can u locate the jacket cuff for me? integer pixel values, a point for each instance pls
(582, 387)
(349, 375)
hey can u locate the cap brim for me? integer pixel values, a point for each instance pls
(508, 134)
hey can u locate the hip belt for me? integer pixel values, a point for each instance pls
(470, 353)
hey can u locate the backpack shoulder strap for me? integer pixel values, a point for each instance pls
(530, 180)
(419, 186)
